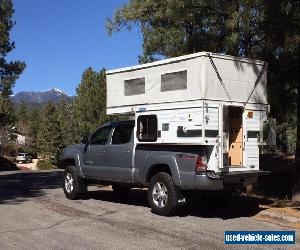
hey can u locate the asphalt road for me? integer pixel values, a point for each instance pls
(34, 214)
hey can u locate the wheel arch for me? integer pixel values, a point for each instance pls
(163, 163)
(71, 161)
(156, 168)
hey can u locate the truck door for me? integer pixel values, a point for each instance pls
(119, 156)
(94, 153)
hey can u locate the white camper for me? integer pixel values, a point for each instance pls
(206, 99)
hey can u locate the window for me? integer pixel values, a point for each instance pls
(174, 81)
(147, 128)
(122, 134)
(100, 137)
(134, 86)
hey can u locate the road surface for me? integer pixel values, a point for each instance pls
(35, 214)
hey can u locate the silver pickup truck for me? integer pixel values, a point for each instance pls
(110, 157)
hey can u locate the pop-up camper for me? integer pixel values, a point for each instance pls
(208, 99)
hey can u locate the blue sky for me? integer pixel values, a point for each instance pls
(59, 39)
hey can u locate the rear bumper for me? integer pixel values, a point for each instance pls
(22, 160)
(231, 180)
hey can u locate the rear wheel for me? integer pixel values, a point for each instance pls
(74, 187)
(163, 194)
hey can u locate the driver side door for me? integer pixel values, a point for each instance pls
(94, 152)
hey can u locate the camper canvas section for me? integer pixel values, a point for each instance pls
(199, 76)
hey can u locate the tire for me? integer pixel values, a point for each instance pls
(163, 194)
(120, 190)
(74, 187)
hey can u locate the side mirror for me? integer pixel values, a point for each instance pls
(85, 140)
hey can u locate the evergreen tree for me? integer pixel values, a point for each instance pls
(9, 70)
(68, 123)
(49, 135)
(34, 124)
(23, 118)
(90, 102)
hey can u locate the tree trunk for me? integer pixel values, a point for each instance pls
(296, 190)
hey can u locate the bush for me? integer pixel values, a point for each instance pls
(45, 164)
(6, 164)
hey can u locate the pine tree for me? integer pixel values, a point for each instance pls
(49, 135)
(9, 70)
(90, 101)
(22, 117)
(68, 123)
(34, 121)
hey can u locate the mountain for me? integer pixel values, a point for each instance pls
(33, 97)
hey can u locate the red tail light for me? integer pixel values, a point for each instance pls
(201, 164)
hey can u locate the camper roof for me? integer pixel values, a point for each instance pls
(183, 58)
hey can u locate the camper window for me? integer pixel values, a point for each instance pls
(174, 81)
(134, 86)
(147, 128)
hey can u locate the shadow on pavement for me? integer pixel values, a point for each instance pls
(20, 186)
(239, 206)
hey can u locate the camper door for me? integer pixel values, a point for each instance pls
(232, 136)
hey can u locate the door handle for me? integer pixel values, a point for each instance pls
(88, 162)
(102, 152)
(125, 151)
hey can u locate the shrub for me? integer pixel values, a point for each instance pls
(45, 164)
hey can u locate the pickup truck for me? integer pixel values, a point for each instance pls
(170, 172)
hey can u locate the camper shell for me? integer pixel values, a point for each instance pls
(208, 99)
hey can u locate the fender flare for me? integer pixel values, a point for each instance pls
(164, 159)
(77, 160)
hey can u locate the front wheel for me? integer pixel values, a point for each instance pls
(163, 194)
(74, 187)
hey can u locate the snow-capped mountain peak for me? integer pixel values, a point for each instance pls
(51, 95)
(55, 90)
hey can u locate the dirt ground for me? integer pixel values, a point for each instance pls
(30, 166)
